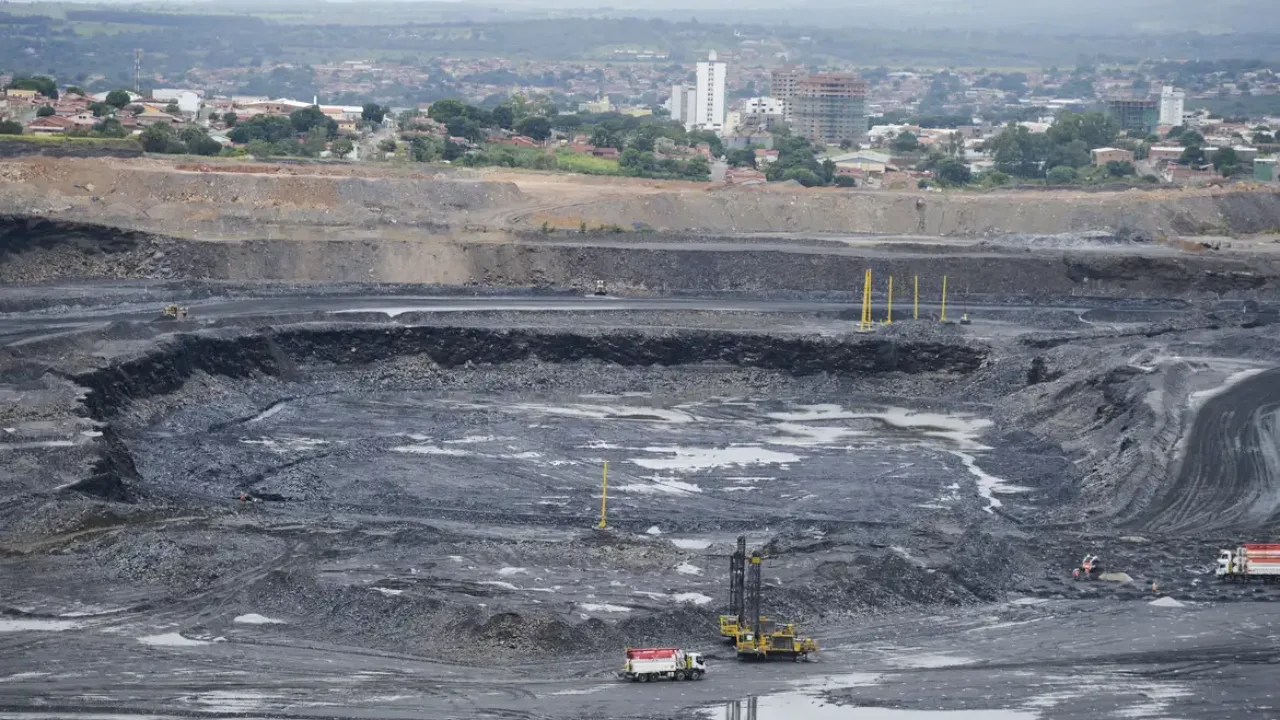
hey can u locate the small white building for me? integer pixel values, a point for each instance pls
(1172, 104)
(188, 101)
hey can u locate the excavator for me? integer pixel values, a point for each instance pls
(754, 636)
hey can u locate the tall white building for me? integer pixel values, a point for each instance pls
(709, 100)
(1172, 103)
(681, 104)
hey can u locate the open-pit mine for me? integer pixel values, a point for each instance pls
(300, 442)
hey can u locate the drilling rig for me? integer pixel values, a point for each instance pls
(754, 636)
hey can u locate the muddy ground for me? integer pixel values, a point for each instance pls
(361, 502)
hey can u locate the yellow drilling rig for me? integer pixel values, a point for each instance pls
(754, 636)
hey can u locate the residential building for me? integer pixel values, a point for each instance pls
(709, 106)
(188, 101)
(1165, 153)
(783, 88)
(1172, 106)
(50, 125)
(679, 105)
(151, 116)
(742, 140)
(1104, 155)
(830, 107)
(762, 106)
(1137, 117)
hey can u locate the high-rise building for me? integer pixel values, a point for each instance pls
(679, 105)
(1136, 117)
(829, 108)
(1172, 104)
(783, 88)
(709, 102)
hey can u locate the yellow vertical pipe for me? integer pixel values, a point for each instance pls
(915, 313)
(604, 497)
(888, 319)
(944, 299)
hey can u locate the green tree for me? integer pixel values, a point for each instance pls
(845, 181)
(305, 119)
(1191, 138)
(101, 109)
(504, 117)
(741, 158)
(467, 128)
(535, 126)
(373, 112)
(1120, 168)
(698, 168)
(46, 111)
(229, 118)
(1192, 155)
(906, 141)
(259, 148)
(711, 139)
(315, 141)
(635, 162)
(203, 145)
(40, 83)
(342, 147)
(1071, 154)
(110, 127)
(9, 127)
(1226, 161)
(445, 110)
(160, 138)
(606, 135)
(1017, 152)
(1061, 175)
(425, 149)
(74, 90)
(263, 127)
(172, 108)
(952, 171)
(387, 146)
(118, 98)
(804, 176)
(1093, 129)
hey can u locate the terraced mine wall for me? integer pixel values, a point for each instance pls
(41, 250)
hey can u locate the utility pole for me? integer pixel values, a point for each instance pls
(137, 70)
(915, 313)
(943, 317)
(888, 320)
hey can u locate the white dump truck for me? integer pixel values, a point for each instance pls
(1249, 561)
(652, 664)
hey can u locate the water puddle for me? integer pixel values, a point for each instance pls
(171, 640)
(33, 625)
(691, 543)
(796, 705)
(256, 619)
(692, 459)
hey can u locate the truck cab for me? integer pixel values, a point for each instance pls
(1226, 563)
(696, 662)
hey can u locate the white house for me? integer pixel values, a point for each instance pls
(188, 101)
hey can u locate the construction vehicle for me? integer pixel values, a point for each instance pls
(600, 289)
(173, 312)
(730, 623)
(1090, 568)
(653, 664)
(761, 639)
(1249, 561)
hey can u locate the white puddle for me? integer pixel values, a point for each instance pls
(659, 486)
(389, 592)
(509, 571)
(812, 435)
(34, 625)
(608, 412)
(273, 410)
(694, 459)
(171, 640)
(988, 485)
(686, 568)
(928, 661)
(690, 543)
(37, 444)
(22, 676)
(653, 530)
(256, 619)
(1167, 602)
(285, 445)
(431, 450)
(499, 583)
(604, 608)
(691, 597)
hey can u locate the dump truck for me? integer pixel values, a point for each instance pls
(1249, 561)
(653, 664)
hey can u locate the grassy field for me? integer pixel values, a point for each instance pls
(586, 164)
